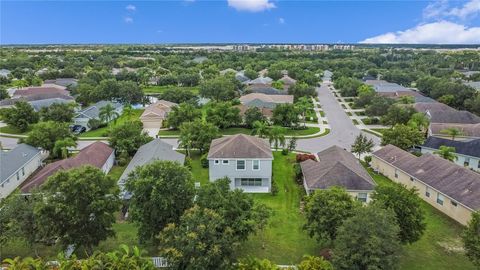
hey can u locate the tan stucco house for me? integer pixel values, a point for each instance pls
(452, 189)
(155, 114)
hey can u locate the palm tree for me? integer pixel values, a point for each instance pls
(60, 148)
(446, 152)
(419, 121)
(303, 105)
(277, 136)
(128, 110)
(108, 113)
(261, 129)
(452, 131)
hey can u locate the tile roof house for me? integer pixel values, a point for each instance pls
(337, 167)
(154, 114)
(93, 112)
(148, 153)
(17, 165)
(97, 154)
(45, 89)
(265, 101)
(450, 188)
(467, 152)
(245, 160)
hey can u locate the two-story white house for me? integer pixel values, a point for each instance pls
(245, 160)
(17, 165)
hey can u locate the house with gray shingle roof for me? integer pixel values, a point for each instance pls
(93, 112)
(17, 165)
(260, 100)
(45, 103)
(467, 152)
(337, 167)
(245, 160)
(261, 80)
(65, 82)
(146, 154)
(452, 189)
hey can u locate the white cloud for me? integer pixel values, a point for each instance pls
(131, 8)
(281, 20)
(251, 5)
(441, 9)
(128, 19)
(442, 32)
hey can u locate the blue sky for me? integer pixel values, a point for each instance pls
(239, 21)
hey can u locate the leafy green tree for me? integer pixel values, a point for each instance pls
(108, 113)
(277, 137)
(261, 129)
(347, 86)
(285, 115)
(237, 208)
(45, 134)
(252, 115)
(419, 121)
(406, 205)
(3, 93)
(128, 137)
(20, 116)
(446, 152)
(200, 240)
(218, 89)
(325, 212)
(256, 264)
(182, 113)
(197, 135)
(397, 115)
(84, 213)
(58, 112)
(278, 84)
(128, 92)
(60, 148)
(471, 239)
(303, 104)
(379, 106)
(178, 95)
(371, 227)
(300, 89)
(161, 192)
(127, 110)
(223, 115)
(452, 132)
(403, 137)
(314, 263)
(362, 145)
(366, 95)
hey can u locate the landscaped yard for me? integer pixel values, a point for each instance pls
(379, 130)
(102, 132)
(240, 130)
(440, 246)
(161, 89)
(12, 130)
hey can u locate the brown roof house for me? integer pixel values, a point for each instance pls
(98, 154)
(265, 101)
(246, 160)
(154, 114)
(450, 188)
(45, 89)
(287, 81)
(337, 167)
(470, 131)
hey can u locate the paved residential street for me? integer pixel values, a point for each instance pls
(342, 129)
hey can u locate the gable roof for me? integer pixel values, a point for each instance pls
(94, 110)
(41, 90)
(240, 146)
(147, 153)
(63, 82)
(441, 113)
(13, 160)
(95, 155)
(266, 98)
(159, 108)
(39, 104)
(457, 182)
(287, 80)
(382, 86)
(336, 167)
(267, 112)
(265, 89)
(468, 130)
(261, 80)
(469, 148)
(12, 101)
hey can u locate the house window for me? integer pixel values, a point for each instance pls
(362, 197)
(251, 182)
(440, 199)
(18, 176)
(23, 171)
(466, 162)
(240, 164)
(396, 173)
(256, 165)
(225, 162)
(427, 192)
(216, 161)
(454, 203)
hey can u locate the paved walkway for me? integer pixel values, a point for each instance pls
(342, 130)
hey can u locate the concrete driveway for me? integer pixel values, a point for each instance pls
(342, 129)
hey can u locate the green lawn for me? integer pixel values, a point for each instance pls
(379, 130)
(161, 89)
(432, 252)
(240, 130)
(103, 132)
(12, 130)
